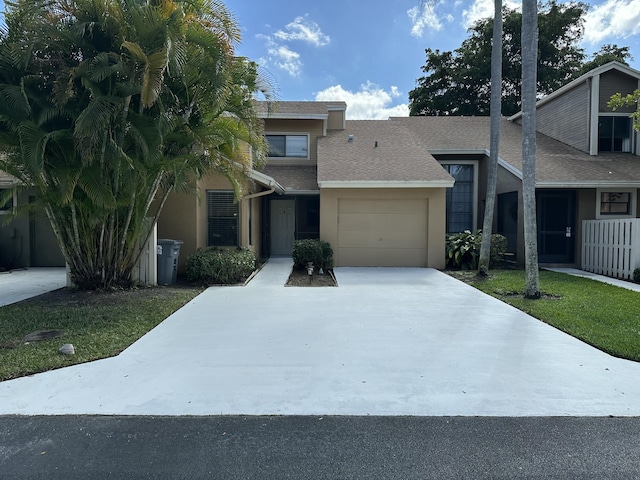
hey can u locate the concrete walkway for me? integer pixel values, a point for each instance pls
(387, 341)
(18, 285)
(600, 278)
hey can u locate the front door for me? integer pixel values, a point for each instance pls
(283, 225)
(556, 226)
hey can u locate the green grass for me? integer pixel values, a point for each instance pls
(99, 325)
(599, 314)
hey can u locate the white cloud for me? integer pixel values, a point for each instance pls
(481, 9)
(304, 30)
(422, 17)
(369, 103)
(613, 18)
(281, 57)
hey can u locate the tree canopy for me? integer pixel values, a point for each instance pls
(459, 82)
(107, 107)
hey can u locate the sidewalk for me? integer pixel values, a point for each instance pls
(600, 278)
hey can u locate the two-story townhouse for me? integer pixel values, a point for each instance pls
(370, 188)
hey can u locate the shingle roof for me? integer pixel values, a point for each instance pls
(296, 109)
(557, 164)
(7, 180)
(398, 156)
(293, 178)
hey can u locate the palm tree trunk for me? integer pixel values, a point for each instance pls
(496, 107)
(529, 74)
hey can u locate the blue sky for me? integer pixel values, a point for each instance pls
(369, 53)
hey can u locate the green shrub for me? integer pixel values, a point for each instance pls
(214, 266)
(317, 252)
(498, 250)
(636, 275)
(463, 250)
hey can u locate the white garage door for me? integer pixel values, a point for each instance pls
(384, 233)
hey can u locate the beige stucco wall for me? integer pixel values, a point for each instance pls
(184, 217)
(336, 120)
(434, 199)
(178, 221)
(314, 128)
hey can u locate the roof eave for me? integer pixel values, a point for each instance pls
(267, 181)
(589, 184)
(386, 184)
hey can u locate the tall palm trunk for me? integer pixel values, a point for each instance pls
(529, 70)
(496, 107)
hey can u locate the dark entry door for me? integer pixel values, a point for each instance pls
(556, 226)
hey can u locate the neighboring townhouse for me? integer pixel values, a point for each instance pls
(587, 169)
(27, 240)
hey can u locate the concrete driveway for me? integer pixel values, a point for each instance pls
(18, 285)
(387, 341)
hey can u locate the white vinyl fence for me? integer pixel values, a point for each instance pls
(611, 247)
(146, 271)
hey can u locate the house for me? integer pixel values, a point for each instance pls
(370, 188)
(386, 192)
(27, 240)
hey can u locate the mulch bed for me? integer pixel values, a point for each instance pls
(300, 278)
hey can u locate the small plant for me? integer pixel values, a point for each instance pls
(463, 250)
(636, 275)
(313, 251)
(214, 266)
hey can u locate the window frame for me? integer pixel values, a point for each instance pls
(235, 215)
(633, 195)
(285, 135)
(612, 137)
(14, 202)
(474, 195)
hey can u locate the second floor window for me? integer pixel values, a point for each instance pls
(296, 146)
(614, 134)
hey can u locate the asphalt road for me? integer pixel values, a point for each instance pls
(334, 447)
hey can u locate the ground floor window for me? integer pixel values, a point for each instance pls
(7, 200)
(460, 198)
(222, 218)
(613, 203)
(616, 203)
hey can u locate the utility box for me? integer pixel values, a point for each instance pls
(168, 252)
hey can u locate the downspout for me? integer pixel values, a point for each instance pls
(259, 194)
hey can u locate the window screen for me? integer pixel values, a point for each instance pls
(222, 217)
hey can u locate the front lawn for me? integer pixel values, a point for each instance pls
(599, 314)
(99, 325)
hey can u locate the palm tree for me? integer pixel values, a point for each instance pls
(529, 68)
(110, 106)
(496, 108)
